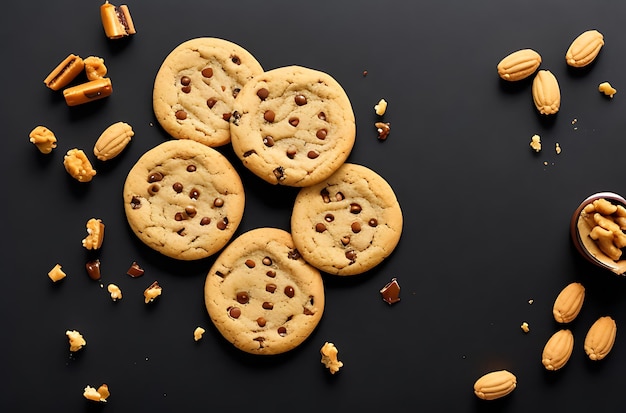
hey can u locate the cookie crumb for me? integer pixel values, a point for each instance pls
(97, 395)
(607, 89)
(329, 357)
(531, 301)
(557, 148)
(95, 234)
(391, 292)
(197, 333)
(76, 340)
(114, 290)
(525, 328)
(381, 107)
(535, 143)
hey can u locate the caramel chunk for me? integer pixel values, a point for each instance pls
(88, 92)
(116, 21)
(65, 72)
(56, 273)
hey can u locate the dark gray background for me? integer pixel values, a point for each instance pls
(486, 218)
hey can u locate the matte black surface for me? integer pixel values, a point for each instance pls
(486, 218)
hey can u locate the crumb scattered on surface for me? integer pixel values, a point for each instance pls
(329, 357)
(97, 395)
(114, 290)
(557, 148)
(197, 333)
(535, 143)
(77, 341)
(525, 327)
(607, 89)
(381, 107)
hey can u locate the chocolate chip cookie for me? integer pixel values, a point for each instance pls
(348, 223)
(184, 199)
(196, 86)
(293, 126)
(261, 295)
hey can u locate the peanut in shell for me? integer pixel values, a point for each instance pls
(495, 385)
(600, 338)
(558, 350)
(584, 49)
(546, 93)
(519, 65)
(568, 303)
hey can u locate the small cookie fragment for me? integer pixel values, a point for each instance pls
(381, 107)
(116, 21)
(197, 333)
(607, 89)
(78, 166)
(557, 148)
(76, 340)
(115, 291)
(535, 143)
(43, 138)
(65, 72)
(56, 273)
(525, 328)
(95, 234)
(391, 292)
(151, 293)
(97, 395)
(329, 357)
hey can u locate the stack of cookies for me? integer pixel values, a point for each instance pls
(290, 126)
